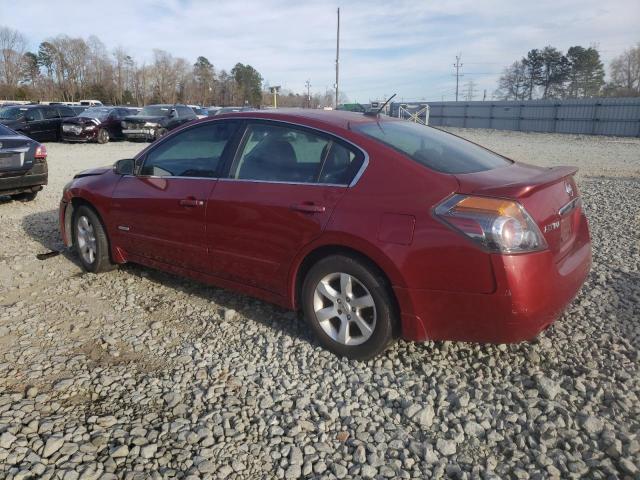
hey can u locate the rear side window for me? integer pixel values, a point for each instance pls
(279, 154)
(50, 113)
(433, 148)
(66, 111)
(195, 152)
(185, 112)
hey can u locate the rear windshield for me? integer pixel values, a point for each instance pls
(4, 131)
(433, 148)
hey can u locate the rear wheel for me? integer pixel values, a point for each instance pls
(90, 241)
(25, 196)
(103, 135)
(348, 305)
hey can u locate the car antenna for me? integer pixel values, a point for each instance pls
(375, 113)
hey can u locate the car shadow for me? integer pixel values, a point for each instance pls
(43, 228)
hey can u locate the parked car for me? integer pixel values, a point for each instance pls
(23, 165)
(200, 112)
(154, 121)
(372, 226)
(212, 110)
(91, 103)
(95, 124)
(39, 122)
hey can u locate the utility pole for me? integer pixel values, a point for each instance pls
(275, 91)
(308, 84)
(337, 58)
(484, 96)
(458, 65)
(470, 93)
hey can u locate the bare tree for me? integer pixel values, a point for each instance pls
(13, 45)
(625, 73)
(513, 84)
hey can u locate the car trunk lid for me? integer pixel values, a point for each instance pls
(14, 153)
(549, 195)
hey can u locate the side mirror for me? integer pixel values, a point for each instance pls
(124, 167)
(173, 113)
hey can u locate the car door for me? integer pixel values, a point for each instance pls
(159, 213)
(51, 123)
(35, 124)
(272, 203)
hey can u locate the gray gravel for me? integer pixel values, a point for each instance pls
(140, 374)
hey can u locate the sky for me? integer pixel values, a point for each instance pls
(386, 47)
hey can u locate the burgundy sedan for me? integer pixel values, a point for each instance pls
(374, 227)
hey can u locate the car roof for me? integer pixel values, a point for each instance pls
(335, 118)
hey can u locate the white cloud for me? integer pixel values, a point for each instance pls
(406, 47)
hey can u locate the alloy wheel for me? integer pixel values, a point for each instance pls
(344, 309)
(86, 240)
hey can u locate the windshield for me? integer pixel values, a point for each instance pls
(155, 111)
(96, 112)
(12, 113)
(433, 148)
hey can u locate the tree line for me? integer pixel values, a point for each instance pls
(68, 69)
(578, 73)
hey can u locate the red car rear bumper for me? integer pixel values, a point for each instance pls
(532, 292)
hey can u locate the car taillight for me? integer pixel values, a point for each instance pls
(41, 153)
(497, 224)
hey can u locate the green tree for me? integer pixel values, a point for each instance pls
(30, 67)
(586, 72)
(204, 77)
(47, 57)
(555, 71)
(248, 82)
(533, 66)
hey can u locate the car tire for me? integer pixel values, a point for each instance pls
(25, 196)
(161, 132)
(356, 322)
(90, 241)
(103, 136)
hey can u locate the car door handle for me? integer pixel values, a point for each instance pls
(191, 202)
(308, 208)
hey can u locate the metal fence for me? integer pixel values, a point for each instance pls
(591, 116)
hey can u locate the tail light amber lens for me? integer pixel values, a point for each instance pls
(496, 224)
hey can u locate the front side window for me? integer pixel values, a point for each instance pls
(280, 154)
(195, 152)
(155, 111)
(433, 148)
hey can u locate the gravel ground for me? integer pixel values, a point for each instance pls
(140, 374)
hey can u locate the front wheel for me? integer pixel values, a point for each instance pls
(348, 305)
(90, 241)
(103, 136)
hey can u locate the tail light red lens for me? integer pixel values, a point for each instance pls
(496, 224)
(41, 152)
